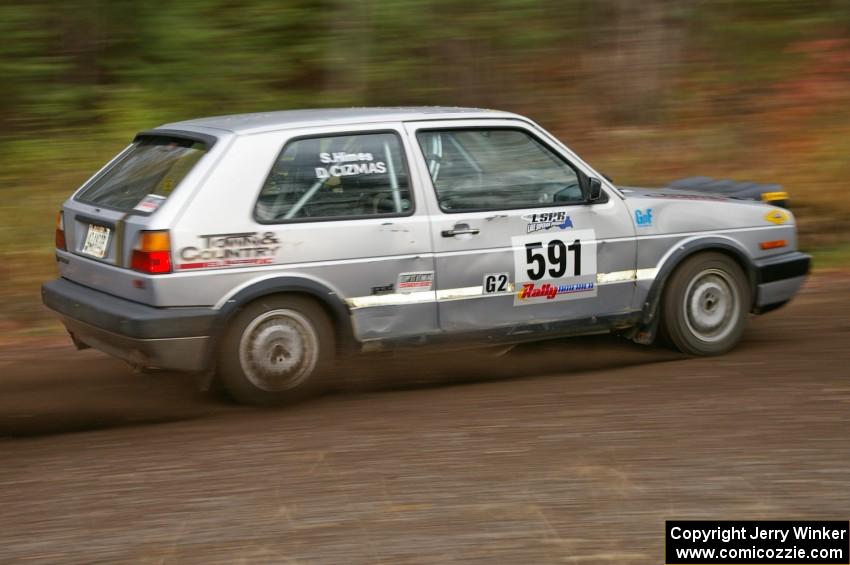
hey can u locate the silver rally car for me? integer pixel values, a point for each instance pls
(263, 247)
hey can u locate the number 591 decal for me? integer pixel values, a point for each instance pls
(557, 255)
(554, 267)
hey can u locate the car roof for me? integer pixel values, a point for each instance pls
(270, 121)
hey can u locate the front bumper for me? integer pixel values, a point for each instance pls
(166, 338)
(779, 278)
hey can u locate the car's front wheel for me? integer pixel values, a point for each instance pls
(277, 350)
(705, 304)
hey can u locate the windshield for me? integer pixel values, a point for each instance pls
(145, 175)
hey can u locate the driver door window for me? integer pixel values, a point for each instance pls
(496, 169)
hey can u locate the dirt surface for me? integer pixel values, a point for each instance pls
(568, 451)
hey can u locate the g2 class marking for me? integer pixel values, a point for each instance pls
(495, 283)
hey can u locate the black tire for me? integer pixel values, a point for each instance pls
(705, 304)
(278, 350)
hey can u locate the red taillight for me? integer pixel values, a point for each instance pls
(152, 262)
(152, 253)
(60, 231)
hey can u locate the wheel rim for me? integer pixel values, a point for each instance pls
(278, 350)
(711, 305)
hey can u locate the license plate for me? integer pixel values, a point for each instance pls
(97, 240)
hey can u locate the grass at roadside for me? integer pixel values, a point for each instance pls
(835, 257)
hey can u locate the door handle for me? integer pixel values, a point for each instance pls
(461, 229)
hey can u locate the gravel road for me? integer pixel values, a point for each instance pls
(566, 451)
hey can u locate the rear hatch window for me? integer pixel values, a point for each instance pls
(145, 175)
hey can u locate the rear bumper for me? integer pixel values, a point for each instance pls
(167, 338)
(779, 278)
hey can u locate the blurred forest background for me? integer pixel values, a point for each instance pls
(647, 91)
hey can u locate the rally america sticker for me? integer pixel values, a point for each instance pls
(553, 290)
(415, 282)
(556, 266)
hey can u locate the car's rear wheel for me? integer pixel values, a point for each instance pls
(705, 304)
(277, 350)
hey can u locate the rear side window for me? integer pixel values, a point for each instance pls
(145, 175)
(336, 177)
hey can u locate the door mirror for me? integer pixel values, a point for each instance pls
(594, 189)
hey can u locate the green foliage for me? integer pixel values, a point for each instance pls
(647, 91)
